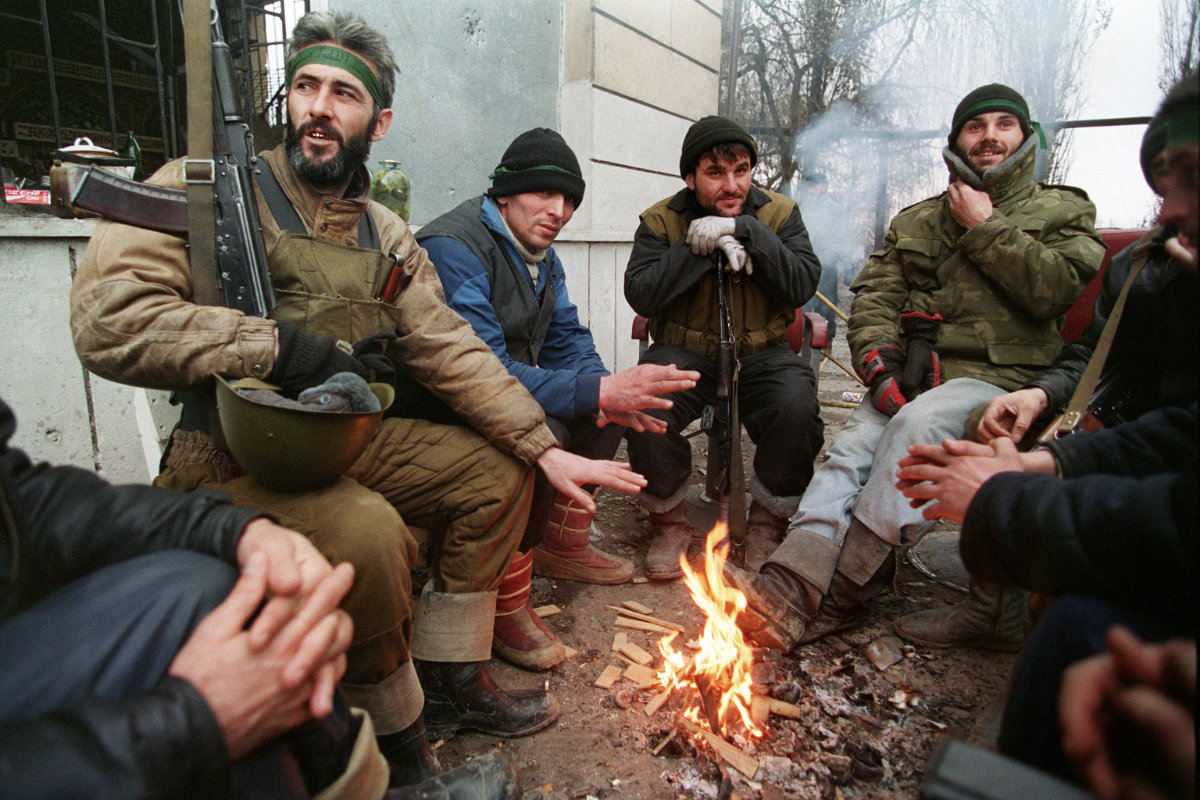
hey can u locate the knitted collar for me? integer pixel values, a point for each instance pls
(1001, 181)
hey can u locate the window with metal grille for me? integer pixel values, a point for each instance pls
(106, 69)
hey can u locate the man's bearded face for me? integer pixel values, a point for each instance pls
(335, 169)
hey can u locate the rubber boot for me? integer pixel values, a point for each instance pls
(520, 636)
(764, 532)
(488, 777)
(866, 567)
(463, 696)
(672, 536)
(778, 605)
(567, 552)
(992, 617)
(408, 755)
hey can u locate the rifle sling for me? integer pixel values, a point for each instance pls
(288, 219)
(1086, 387)
(202, 232)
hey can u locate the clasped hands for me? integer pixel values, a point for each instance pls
(707, 234)
(269, 657)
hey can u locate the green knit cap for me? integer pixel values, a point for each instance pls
(707, 133)
(993, 97)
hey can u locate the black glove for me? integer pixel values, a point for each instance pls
(306, 360)
(881, 370)
(922, 370)
(372, 354)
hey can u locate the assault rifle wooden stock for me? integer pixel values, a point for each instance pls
(240, 256)
(726, 481)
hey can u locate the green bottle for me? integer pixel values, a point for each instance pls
(390, 186)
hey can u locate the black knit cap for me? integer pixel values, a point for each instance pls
(707, 133)
(993, 97)
(537, 161)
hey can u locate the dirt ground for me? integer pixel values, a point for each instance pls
(864, 731)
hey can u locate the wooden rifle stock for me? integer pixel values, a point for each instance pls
(725, 481)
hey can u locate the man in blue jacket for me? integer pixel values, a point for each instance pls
(499, 271)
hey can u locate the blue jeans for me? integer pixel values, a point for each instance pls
(859, 476)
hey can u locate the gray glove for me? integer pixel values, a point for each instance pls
(737, 259)
(703, 233)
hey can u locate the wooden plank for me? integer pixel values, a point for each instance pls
(608, 677)
(642, 677)
(547, 611)
(656, 702)
(639, 625)
(634, 605)
(731, 755)
(639, 655)
(619, 641)
(647, 618)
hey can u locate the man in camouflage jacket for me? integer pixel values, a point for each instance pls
(964, 302)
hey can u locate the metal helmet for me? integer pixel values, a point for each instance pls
(293, 450)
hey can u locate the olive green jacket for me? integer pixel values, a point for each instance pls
(133, 319)
(1002, 288)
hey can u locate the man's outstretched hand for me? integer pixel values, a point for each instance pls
(640, 387)
(568, 472)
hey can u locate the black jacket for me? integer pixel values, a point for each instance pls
(58, 524)
(1152, 362)
(1121, 525)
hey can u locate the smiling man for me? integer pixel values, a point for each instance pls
(498, 269)
(963, 303)
(330, 252)
(721, 217)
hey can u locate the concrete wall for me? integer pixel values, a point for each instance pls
(621, 79)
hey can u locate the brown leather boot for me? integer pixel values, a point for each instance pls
(567, 552)
(520, 636)
(779, 604)
(865, 569)
(672, 536)
(764, 532)
(992, 617)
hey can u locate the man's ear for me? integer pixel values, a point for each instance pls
(690, 180)
(382, 122)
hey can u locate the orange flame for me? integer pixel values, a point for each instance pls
(724, 659)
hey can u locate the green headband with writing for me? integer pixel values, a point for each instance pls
(343, 59)
(506, 171)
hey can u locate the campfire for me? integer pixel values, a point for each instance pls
(718, 674)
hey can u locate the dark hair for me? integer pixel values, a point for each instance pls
(353, 33)
(725, 151)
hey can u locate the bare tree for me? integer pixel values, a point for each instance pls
(1180, 40)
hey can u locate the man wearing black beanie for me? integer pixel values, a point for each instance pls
(721, 217)
(499, 271)
(963, 303)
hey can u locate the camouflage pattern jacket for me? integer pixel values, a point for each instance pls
(1002, 288)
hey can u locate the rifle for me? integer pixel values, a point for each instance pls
(240, 256)
(726, 480)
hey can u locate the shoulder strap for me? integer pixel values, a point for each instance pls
(1078, 404)
(288, 219)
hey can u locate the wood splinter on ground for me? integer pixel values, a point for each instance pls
(657, 702)
(547, 610)
(641, 625)
(636, 654)
(608, 677)
(630, 613)
(634, 605)
(642, 677)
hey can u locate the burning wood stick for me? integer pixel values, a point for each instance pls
(762, 707)
(646, 618)
(710, 698)
(657, 702)
(730, 754)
